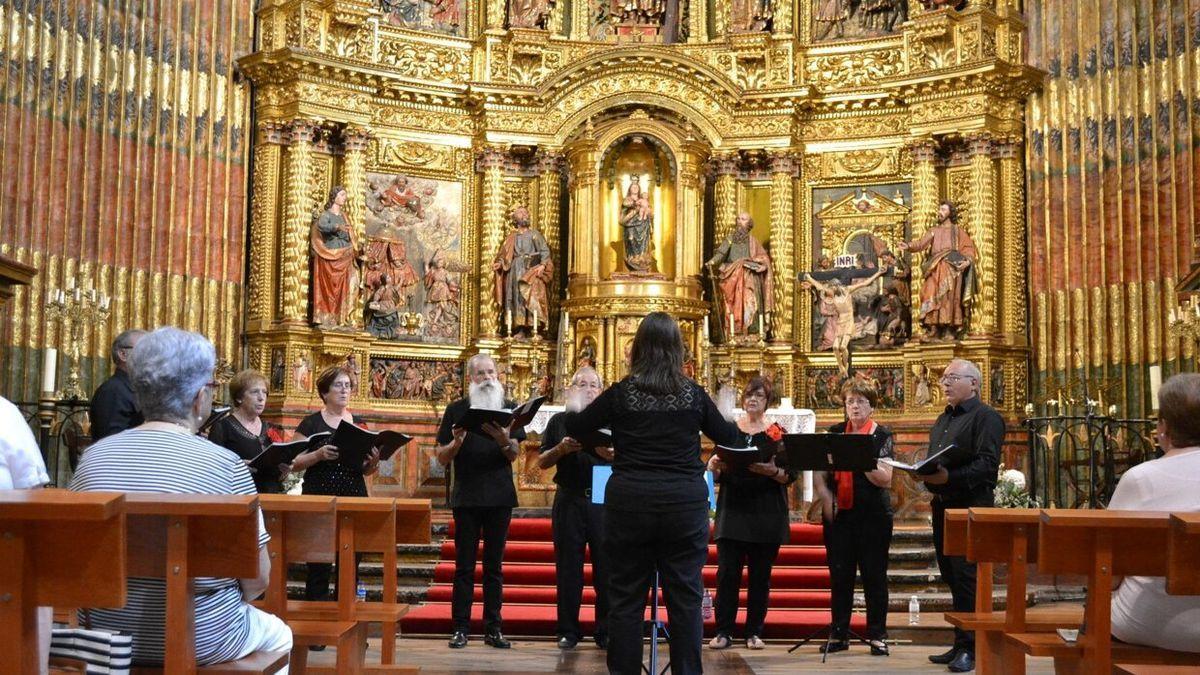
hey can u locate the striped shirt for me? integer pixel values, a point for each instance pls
(140, 460)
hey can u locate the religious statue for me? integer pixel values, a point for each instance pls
(637, 226)
(948, 275)
(741, 270)
(892, 306)
(383, 310)
(938, 4)
(923, 391)
(523, 271)
(587, 353)
(334, 268)
(278, 370)
(751, 16)
(389, 258)
(997, 381)
(832, 15)
(841, 300)
(641, 11)
(351, 366)
(529, 13)
(302, 374)
(441, 297)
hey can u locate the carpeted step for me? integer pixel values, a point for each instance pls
(539, 529)
(543, 551)
(538, 620)
(548, 595)
(543, 574)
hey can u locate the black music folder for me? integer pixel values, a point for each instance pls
(354, 444)
(740, 459)
(950, 457)
(267, 462)
(474, 418)
(830, 452)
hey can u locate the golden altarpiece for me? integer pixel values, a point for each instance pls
(837, 129)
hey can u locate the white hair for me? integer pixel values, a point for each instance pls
(972, 370)
(167, 368)
(474, 360)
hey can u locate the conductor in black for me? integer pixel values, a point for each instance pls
(482, 498)
(978, 430)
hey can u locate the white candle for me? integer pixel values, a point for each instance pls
(508, 320)
(1155, 385)
(535, 323)
(731, 325)
(706, 330)
(49, 365)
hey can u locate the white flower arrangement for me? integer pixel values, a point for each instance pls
(1010, 492)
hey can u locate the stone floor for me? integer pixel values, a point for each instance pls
(542, 656)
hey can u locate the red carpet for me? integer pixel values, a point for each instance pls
(799, 587)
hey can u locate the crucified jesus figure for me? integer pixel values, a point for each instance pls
(840, 297)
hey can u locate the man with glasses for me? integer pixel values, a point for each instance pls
(114, 408)
(576, 521)
(978, 431)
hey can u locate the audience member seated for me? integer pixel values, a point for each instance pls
(1142, 611)
(171, 371)
(244, 431)
(113, 408)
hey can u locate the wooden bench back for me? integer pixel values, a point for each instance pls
(954, 532)
(302, 529)
(179, 537)
(414, 520)
(994, 532)
(56, 548)
(1070, 540)
(1183, 554)
(374, 524)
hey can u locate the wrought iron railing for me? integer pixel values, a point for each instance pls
(62, 429)
(1075, 461)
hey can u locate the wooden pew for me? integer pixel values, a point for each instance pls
(1009, 537)
(1183, 554)
(178, 537)
(1136, 669)
(303, 529)
(1100, 545)
(370, 525)
(57, 548)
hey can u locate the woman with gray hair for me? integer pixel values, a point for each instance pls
(172, 375)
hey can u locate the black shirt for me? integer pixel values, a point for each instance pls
(752, 507)
(228, 432)
(978, 429)
(329, 477)
(483, 474)
(114, 408)
(867, 495)
(574, 471)
(656, 444)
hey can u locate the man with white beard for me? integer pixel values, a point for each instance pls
(482, 498)
(577, 522)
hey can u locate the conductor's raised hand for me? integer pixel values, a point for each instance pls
(568, 445)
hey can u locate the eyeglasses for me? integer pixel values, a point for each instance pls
(952, 377)
(341, 385)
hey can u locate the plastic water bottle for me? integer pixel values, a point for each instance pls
(361, 592)
(706, 606)
(914, 611)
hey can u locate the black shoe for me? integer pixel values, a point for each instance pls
(567, 642)
(496, 640)
(879, 648)
(944, 658)
(458, 640)
(602, 641)
(963, 663)
(316, 648)
(835, 646)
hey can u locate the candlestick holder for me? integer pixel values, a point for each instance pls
(76, 308)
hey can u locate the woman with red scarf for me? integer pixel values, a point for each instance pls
(857, 512)
(751, 523)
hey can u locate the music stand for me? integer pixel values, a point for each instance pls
(829, 452)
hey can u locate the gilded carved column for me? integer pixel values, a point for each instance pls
(549, 191)
(264, 215)
(689, 227)
(983, 212)
(783, 17)
(725, 166)
(721, 15)
(925, 204)
(495, 14)
(698, 22)
(782, 167)
(491, 164)
(297, 221)
(354, 179)
(584, 261)
(1012, 190)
